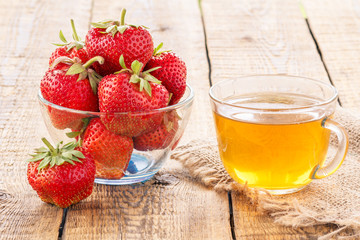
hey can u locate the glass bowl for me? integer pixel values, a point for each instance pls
(163, 129)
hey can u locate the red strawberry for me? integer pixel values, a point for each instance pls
(59, 177)
(70, 49)
(161, 137)
(111, 152)
(111, 39)
(172, 73)
(123, 93)
(73, 87)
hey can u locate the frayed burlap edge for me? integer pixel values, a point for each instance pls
(285, 213)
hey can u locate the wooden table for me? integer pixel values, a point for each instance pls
(218, 40)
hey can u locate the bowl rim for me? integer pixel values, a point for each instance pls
(178, 105)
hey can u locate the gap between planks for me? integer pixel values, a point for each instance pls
(231, 214)
(320, 54)
(65, 210)
(231, 218)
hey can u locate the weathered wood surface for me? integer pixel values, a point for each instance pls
(243, 37)
(180, 209)
(336, 25)
(27, 29)
(260, 37)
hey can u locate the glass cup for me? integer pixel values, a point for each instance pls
(273, 131)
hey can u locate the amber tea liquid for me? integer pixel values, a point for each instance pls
(274, 151)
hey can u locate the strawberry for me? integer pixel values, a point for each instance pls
(172, 73)
(70, 49)
(111, 152)
(160, 138)
(124, 93)
(111, 39)
(71, 87)
(59, 176)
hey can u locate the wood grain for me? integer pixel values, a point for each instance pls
(260, 37)
(174, 207)
(244, 37)
(336, 25)
(28, 28)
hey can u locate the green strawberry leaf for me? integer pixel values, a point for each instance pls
(94, 79)
(60, 161)
(67, 154)
(58, 145)
(122, 29)
(70, 46)
(102, 25)
(73, 158)
(62, 37)
(57, 156)
(122, 62)
(157, 48)
(73, 134)
(76, 160)
(151, 70)
(151, 78)
(78, 45)
(86, 121)
(44, 163)
(141, 84)
(41, 150)
(169, 126)
(134, 79)
(69, 146)
(53, 161)
(133, 25)
(112, 29)
(77, 154)
(83, 75)
(157, 52)
(59, 44)
(136, 67)
(69, 161)
(62, 59)
(76, 68)
(38, 157)
(147, 87)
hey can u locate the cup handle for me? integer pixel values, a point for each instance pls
(343, 144)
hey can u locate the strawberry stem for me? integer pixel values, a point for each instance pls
(75, 35)
(48, 144)
(122, 20)
(98, 59)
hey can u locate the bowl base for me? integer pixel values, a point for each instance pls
(140, 169)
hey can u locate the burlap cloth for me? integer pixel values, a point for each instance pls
(335, 199)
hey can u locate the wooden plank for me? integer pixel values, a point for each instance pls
(28, 28)
(260, 37)
(336, 25)
(181, 208)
